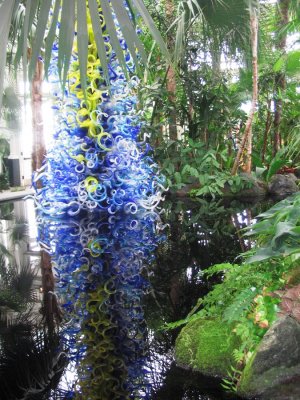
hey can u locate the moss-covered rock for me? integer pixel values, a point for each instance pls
(206, 346)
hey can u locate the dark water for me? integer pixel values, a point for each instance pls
(199, 234)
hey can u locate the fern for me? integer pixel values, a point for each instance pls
(240, 305)
(218, 268)
(238, 355)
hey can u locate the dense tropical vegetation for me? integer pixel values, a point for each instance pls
(219, 99)
(227, 59)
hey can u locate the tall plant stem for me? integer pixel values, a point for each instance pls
(267, 132)
(171, 78)
(246, 142)
(280, 80)
(38, 146)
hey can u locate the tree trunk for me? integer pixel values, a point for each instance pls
(51, 310)
(171, 76)
(38, 146)
(280, 81)
(246, 142)
(267, 132)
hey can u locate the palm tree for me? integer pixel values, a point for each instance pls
(246, 142)
(72, 15)
(224, 22)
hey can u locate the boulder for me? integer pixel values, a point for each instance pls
(297, 173)
(206, 346)
(283, 185)
(274, 370)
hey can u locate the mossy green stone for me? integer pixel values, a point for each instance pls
(206, 346)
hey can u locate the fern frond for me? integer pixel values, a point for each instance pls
(218, 268)
(240, 305)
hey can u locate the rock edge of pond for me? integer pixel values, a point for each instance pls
(279, 187)
(273, 371)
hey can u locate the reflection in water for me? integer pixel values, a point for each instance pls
(113, 298)
(98, 174)
(200, 235)
(30, 363)
(99, 268)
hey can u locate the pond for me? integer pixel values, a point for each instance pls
(97, 325)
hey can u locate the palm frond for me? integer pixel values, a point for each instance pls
(64, 13)
(30, 365)
(4, 251)
(224, 21)
(111, 29)
(51, 36)
(127, 28)
(66, 38)
(82, 40)
(19, 231)
(22, 282)
(6, 12)
(43, 17)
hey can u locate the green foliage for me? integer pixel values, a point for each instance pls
(278, 232)
(30, 20)
(19, 231)
(277, 162)
(243, 305)
(190, 162)
(289, 62)
(218, 268)
(240, 306)
(6, 211)
(207, 346)
(4, 147)
(233, 376)
(241, 284)
(4, 185)
(10, 112)
(15, 284)
(32, 363)
(9, 298)
(293, 145)
(251, 294)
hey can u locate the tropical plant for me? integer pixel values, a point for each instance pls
(31, 363)
(19, 231)
(225, 23)
(16, 285)
(71, 15)
(4, 152)
(277, 233)
(191, 162)
(252, 295)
